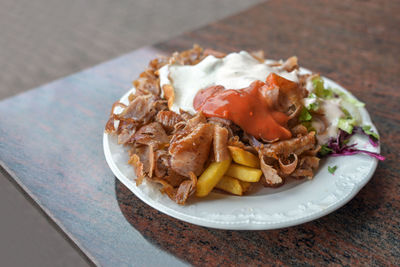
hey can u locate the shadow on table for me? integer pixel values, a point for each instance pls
(331, 239)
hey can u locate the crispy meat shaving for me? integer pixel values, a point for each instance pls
(189, 152)
(296, 146)
(270, 174)
(185, 189)
(220, 143)
(168, 119)
(214, 53)
(289, 164)
(152, 133)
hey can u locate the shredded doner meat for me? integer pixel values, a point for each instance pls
(173, 149)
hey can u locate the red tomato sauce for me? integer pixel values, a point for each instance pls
(247, 107)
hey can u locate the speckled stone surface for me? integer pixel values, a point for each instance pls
(50, 142)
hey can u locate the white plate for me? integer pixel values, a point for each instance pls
(294, 203)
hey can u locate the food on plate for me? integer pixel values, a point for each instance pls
(211, 177)
(245, 186)
(244, 173)
(230, 185)
(201, 120)
(241, 156)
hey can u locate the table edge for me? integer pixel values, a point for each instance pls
(55, 223)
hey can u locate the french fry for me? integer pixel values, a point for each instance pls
(211, 176)
(230, 185)
(244, 157)
(245, 186)
(244, 173)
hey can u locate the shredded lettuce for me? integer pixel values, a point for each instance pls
(305, 115)
(349, 99)
(312, 102)
(313, 106)
(332, 169)
(312, 95)
(367, 130)
(327, 93)
(347, 124)
(320, 89)
(346, 112)
(325, 150)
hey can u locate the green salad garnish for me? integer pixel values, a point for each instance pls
(305, 115)
(320, 89)
(332, 169)
(367, 130)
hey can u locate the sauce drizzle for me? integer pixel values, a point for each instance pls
(247, 107)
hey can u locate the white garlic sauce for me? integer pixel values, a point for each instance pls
(234, 71)
(332, 111)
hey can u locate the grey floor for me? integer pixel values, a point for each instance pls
(41, 41)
